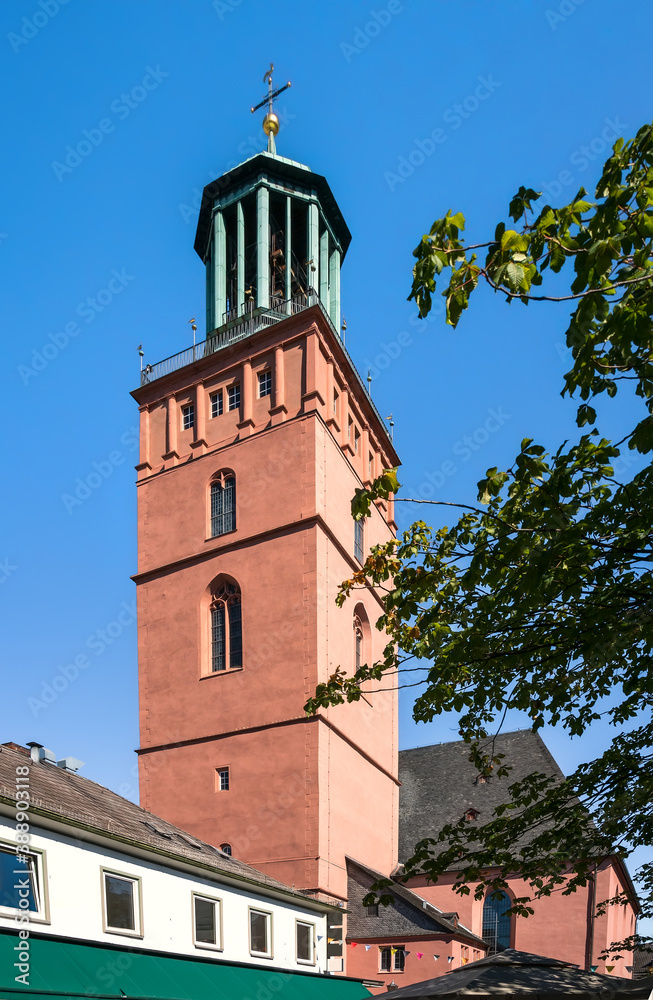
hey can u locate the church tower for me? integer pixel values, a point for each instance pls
(252, 445)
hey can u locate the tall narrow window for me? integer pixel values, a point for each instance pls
(260, 937)
(216, 403)
(359, 540)
(188, 416)
(264, 384)
(357, 438)
(497, 922)
(304, 938)
(223, 505)
(222, 779)
(226, 628)
(358, 640)
(233, 393)
(335, 402)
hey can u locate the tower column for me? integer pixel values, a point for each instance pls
(288, 254)
(171, 454)
(324, 269)
(219, 269)
(263, 248)
(240, 257)
(144, 449)
(313, 245)
(334, 288)
(199, 440)
(246, 422)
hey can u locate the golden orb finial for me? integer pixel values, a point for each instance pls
(271, 124)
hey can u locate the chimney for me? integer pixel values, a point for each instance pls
(70, 764)
(38, 752)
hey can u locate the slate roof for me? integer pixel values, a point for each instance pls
(410, 915)
(73, 799)
(511, 973)
(439, 784)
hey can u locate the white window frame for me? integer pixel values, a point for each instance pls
(266, 913)
(42, 914)
(137, 900)
(219, 403)
(232, 388)
(305, 961)
(218, 777)
(188, 409)
(265, 377)
(217, 902)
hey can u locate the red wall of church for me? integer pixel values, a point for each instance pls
(560, 925)
(302, 792)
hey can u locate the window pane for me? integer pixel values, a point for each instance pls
(217, 639)
(13, 874)
(234, 397)
(400, 959)
(205, 924)
(305, 942)
(217, 508)
(235, 634)
(496, 922)
(258, 923)
(385, 960)
(358, 540)
(120, 902)
(223, 778)
(216, 404)
(229, 505)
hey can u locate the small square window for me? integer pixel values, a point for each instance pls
(188, 416)
(222, 779)
(373, 910)
(234, 396)
(207, 922)
(216, 403)
(264, 384)
(305, 940)
(260, 938)
(121, 903)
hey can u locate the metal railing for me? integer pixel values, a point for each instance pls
(239, 330)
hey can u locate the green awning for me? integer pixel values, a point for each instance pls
(71, 969)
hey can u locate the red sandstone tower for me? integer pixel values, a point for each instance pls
(252, 444)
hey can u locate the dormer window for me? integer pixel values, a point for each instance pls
(471, 815)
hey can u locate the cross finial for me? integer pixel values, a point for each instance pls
(270, 122)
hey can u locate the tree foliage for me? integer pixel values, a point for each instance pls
(539, 598)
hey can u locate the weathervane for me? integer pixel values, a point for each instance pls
(270, 122)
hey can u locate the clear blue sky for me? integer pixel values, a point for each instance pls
(516, 88)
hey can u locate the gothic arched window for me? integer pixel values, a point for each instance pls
(497, 922)
(226, 627)
(223, 504)
(361, 636)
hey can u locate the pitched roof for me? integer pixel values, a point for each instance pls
(513, 972)
(70, 798)
(410, 914)
(439, 784)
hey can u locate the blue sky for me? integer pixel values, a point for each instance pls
(97, 257)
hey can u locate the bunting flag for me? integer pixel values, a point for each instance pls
(320, 936)
(449, 958)
(420, 954)
(354, 943)
(367, 947)
(593, 968)
(393, 951)
(609, 968)
(436, 957)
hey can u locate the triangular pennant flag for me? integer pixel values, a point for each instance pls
(609, 968)
(393, 951)
(420, 954)
(449, 958)
(367, 947)
(320, 936)
(354, 943)
(436, 957)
